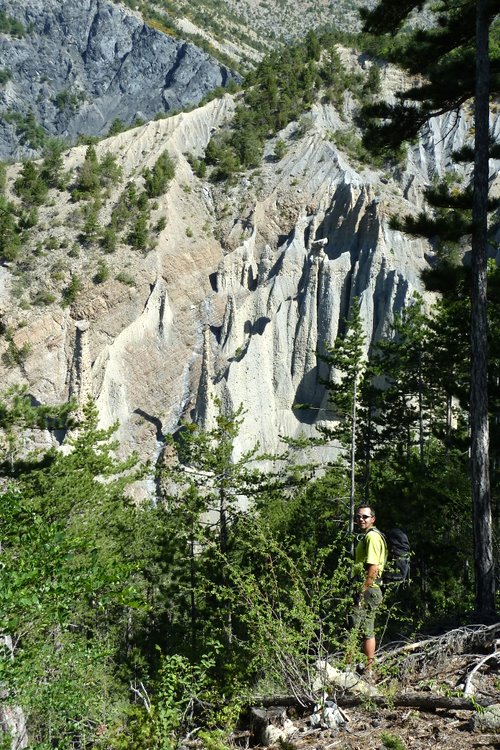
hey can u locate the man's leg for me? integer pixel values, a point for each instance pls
(369, 646)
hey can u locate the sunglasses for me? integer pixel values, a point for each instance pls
(361, 517)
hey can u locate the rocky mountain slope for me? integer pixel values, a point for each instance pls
(242, 286)
(76, 67)
(244, 28)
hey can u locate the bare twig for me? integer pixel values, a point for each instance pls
(468, 687)
(142, 693)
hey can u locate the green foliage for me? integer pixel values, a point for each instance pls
(117, 126)
(279, 149)
(442, 53)
(280, 89)
(31, 133)
(66, 582)
(10, 240)
(125, 278)
(353, 146)
(16, 355)
(43, 297)
(51, 170)
(110, 172)
(5, 75)
(102, 274)
(88, 182)
(30, 185)
(91, 224)
(71, 291)
(109, 239)
(161, 224)
(69, 101)
(198, 166)
(392, 741)
(138, 236)
(3, 177)
(156, 180)
(11, 26)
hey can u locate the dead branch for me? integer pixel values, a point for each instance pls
(468, 687)
(458, 640)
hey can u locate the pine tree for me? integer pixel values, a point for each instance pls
(205, 490)
(347, 363)
(453, 58)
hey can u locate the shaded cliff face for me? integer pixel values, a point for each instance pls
(244, 285)
(80, 65)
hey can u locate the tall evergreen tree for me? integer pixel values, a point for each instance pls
(453, 58)
(347, 363)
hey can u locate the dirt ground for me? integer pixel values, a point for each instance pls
(454, 666)
(378, 728)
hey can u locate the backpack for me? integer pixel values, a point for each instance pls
(397, 566)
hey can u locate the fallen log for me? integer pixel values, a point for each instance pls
(419, 701)
(403, 700)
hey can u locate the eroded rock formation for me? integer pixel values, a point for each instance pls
(245, 284)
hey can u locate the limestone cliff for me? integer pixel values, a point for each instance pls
(80, 65)
(245, 283)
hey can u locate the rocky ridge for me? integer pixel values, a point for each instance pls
(244, 285)
(79, 66)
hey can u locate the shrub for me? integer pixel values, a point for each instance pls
(156, 180)
(16, 355)
(30, 132)
(117, 126)
(88, 181)
(109, 239)
(102, 274)
(70, 293)
(30, 186)
(9, 25)
(125, 278)
(110, 172)
(43, 297)
(10, 241)
(139, 234)
(68, 101)
(279, 149)
(52, 164)
(161, 224)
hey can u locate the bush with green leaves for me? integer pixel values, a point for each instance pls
(31, 133)
(156, 180)
(30, 185)
(71, 291)
(65, 578)
(11, 26)
(102, 274)
(69, 101)
(51, 169)
(109, 239)
(10, 232)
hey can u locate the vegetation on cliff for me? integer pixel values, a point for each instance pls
(125, 624)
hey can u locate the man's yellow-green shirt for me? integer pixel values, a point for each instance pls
(371, 550)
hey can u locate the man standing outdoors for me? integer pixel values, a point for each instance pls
(369, 560)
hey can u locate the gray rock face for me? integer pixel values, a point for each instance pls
(244, 285)
(83, 63)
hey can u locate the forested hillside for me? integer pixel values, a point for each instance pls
(220, 333)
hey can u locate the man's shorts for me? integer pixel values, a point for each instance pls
(363, 618)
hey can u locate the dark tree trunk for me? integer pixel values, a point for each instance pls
(481, 501)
